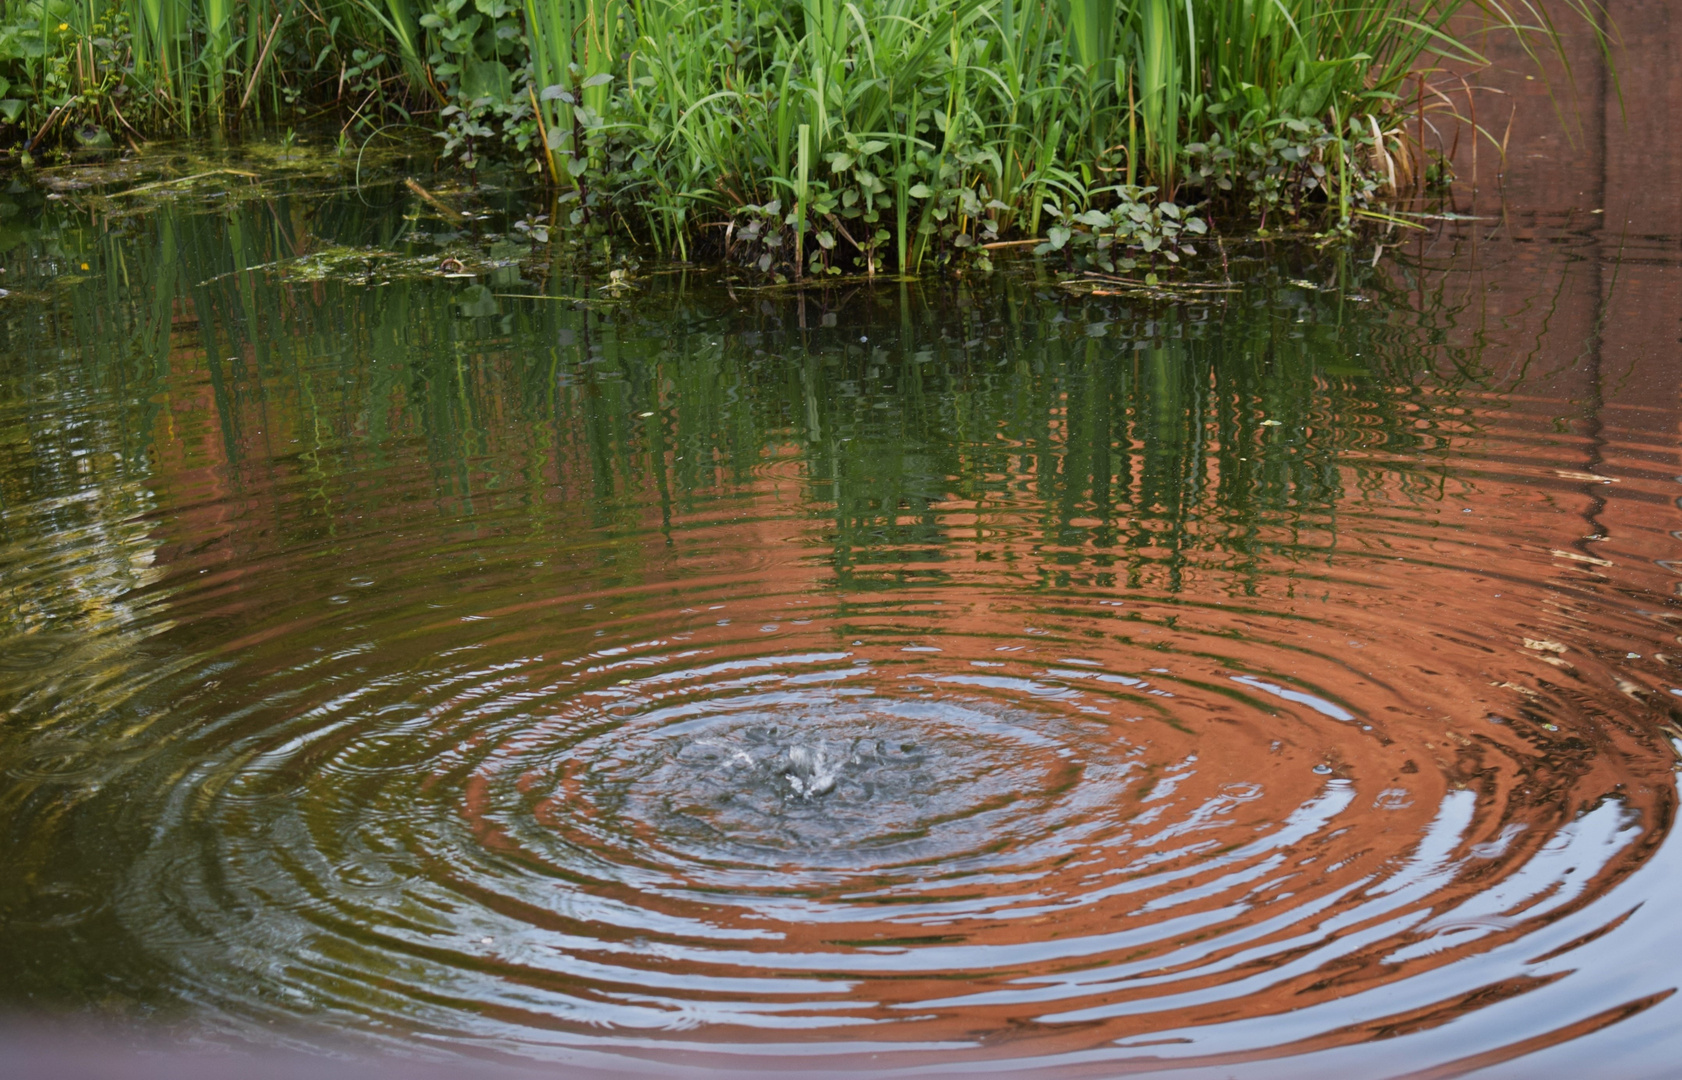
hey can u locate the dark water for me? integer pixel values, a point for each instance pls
(960, 675)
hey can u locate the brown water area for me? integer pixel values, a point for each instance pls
(921, 678)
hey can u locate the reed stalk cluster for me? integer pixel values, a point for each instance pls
(811, 136)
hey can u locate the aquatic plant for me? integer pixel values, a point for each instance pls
(804, 136)
(826, 135)
(96, 69)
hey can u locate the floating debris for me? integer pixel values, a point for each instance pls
(435, 202)
(183, 180)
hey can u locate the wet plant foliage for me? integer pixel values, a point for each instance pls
(804, 137)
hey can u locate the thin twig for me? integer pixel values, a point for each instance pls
(1472, 107)
(52, 118)
(118, 113)
(543, 133)
(1131, 289)
(251, 83)
(432, 200)
(1174, 286)
(183, 179)
(357, 114)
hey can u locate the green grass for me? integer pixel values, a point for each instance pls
(808, 136)
(935, 124)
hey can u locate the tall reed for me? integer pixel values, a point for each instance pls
(869, 133)
(944, 120)
(164, 66)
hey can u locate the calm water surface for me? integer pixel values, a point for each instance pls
(964, 675)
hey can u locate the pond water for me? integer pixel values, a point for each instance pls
(956, 676)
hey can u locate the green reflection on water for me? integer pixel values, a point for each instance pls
(1102, 441)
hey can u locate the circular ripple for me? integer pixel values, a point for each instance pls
(62, 760)
(759, 824)
(46, 906)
